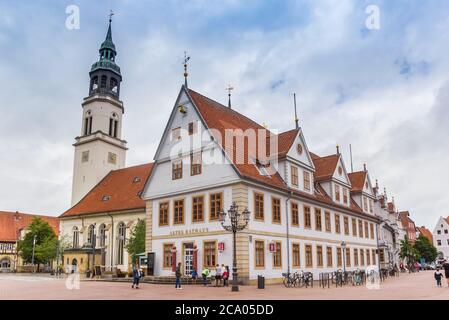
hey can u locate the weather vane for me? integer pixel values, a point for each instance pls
(186, 59)
(229, 89)
(111, 13)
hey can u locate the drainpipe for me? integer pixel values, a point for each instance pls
(112, 240)
(288, 232)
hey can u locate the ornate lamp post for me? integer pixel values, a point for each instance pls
(237, 222)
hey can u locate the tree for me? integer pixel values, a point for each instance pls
(136, 243)
(426, 249)
(46, 243)
(408, 252)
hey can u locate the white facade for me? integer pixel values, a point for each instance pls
(441, 237)
(162, 191)
(99, 148)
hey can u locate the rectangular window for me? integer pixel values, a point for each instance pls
(176, 170)
(195, 163)
(346, 225)
(319, 256)
(309, 259)
(371, 206)
(176, 134)
(85, 156)
(339, 257)
(307, 181)
(210, 254)
(258, 206)
(371, 227)
(296, 255)
(337, 223)
(198, 209)
(366, 229)
(373, 254)
(365, 204)
(318, 226)
(294, 176)
(178, 213)
(354, 227)
(345, 196)
(348, 257)
(329, 254)
(356, 257)
(327, 221)
(163, 213)
(362, 257)
(260, 253)
(360, 229)
(295, 214)
(307, 218)
(192, 128)
(337, 192)
(277, 256)
(368, 257)
(276, 210)
(168, 255)
(216, 205)
(438, 242)
(381, 256)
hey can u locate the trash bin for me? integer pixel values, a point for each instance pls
(87, 273)
(260, 282)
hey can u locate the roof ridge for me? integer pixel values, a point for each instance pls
(229, 109)
(131, 167)
(28, 214)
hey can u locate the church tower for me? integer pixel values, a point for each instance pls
(100, 148)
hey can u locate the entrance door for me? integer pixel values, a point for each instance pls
(5, 264)
(188, 258)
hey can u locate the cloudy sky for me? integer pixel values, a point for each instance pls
(385, 91)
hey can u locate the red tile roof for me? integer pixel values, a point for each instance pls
(325, 166)
(357, 180)
(220, 118)
(285, 142)
(12, 222)
(123, 187)
(426, 233)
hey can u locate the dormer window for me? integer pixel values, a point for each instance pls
(263, 167)
(136, 179)
(294, 176)
(307, 186)
(337, 193)
(106, 198)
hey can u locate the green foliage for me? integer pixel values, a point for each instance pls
(425, 249)
(136, 243)
(408, 252)
(46, 242)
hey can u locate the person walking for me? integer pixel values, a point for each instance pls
(218, 275)
(438, 276)
(446, 271)
(136, 276)
(226, 276)
(178, 275)
(205, 273)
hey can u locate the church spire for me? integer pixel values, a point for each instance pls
(105, 76)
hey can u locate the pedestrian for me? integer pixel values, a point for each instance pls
(194, 275)
(136, 276)
(178, 275)
(218, 274)
(205, 274)
(438, 275)
(226, 276)
(446, 271)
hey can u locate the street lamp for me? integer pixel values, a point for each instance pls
(32, 258)
(343, 248)
(238, 222)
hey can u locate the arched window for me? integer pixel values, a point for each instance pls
(88, 123)
(91, 235)
(114, 85)
(113, 125)
(102, 232)
(94, 83)
(104, 81)
(5, 264)
(76, 237)
(121, 242)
